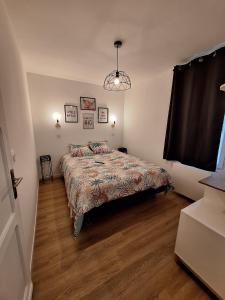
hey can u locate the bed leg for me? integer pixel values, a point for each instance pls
(78, 226)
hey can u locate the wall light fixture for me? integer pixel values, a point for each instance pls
(57, 117)
(113, 121)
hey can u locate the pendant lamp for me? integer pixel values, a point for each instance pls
(117, 80)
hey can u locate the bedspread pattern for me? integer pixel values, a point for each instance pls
(89, 183)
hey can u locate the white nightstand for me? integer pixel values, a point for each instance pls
(200, 243)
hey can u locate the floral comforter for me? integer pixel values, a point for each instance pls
(92, 180)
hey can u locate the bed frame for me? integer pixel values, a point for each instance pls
(78, 224)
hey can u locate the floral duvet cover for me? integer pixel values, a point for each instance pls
(93, 180)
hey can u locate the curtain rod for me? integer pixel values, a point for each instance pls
(202, 53)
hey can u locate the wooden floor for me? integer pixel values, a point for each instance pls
(125, 250)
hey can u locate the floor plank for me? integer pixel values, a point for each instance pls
(125, 250)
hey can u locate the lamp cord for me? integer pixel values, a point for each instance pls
(117, 60)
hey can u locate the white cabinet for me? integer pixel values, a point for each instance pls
(200, 242)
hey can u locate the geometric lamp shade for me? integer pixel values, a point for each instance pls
(117, 81)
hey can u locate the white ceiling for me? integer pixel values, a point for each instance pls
(74, 39)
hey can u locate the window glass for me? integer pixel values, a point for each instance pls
(221, 152)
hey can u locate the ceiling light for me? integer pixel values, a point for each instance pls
(117, 80)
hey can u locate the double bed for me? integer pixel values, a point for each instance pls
(93, 180)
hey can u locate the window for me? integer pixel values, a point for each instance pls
(221, 152)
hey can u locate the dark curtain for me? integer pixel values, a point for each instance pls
(196, 112)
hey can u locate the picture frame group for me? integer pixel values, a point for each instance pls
(86, 104)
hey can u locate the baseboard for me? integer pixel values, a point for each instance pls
(28, 292)
(55, 176)
(183, 196)
(58, 175)
(34, 229)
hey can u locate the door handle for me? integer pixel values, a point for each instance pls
(15, 182)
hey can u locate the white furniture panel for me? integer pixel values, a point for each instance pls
(200, 240)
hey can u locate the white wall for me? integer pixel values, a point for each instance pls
(143, 130)
(13, 88)
(49, 94)
(146, 109)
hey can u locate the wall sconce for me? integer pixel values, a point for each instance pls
(113, 121)
(56, 116)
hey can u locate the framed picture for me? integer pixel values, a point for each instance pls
(71, 113)
(103, 115)
(88, 121)
(87, 103)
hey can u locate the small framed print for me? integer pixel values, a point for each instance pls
(71, 113)
(88, 120)
(87, 103)
(103, 115)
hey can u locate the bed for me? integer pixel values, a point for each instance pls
(93, 180)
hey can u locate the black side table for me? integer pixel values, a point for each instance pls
(122, 149)
(46, 167)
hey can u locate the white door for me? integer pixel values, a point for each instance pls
(15, 277)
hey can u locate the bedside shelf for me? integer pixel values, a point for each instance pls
(216, 181)
(212, 216)
(200, 242)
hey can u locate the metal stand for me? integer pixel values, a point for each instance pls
(122, 149)
(46, 167)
